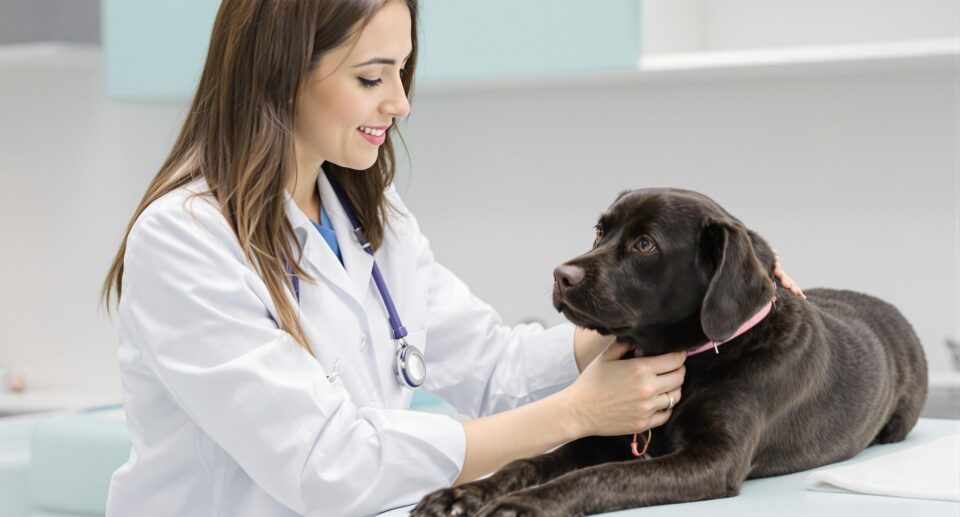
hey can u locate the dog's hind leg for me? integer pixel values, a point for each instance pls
(902, 421)
(913, 396)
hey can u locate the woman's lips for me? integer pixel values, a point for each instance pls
(373, 139)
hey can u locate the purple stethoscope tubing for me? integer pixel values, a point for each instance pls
(410, 366)
(399, 331)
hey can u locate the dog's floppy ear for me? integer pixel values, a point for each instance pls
(740, 286)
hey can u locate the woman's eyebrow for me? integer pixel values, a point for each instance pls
(381, 61)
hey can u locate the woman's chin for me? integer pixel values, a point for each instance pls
(356, 164)
(364, 161)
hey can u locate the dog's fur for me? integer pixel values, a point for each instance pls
(815, 382)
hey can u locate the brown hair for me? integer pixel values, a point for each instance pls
(238, 133)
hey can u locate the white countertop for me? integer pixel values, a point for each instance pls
(785, 496)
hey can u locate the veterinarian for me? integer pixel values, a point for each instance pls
(268, 360)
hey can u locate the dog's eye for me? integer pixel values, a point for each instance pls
(596, 239)
(645, 245)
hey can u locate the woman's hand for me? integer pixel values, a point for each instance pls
(615, 397)
(785, 279)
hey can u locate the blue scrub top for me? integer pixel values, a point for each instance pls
(327, 232)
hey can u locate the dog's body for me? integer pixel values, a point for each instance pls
(814, 382)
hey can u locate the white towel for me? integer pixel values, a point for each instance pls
(927, 471)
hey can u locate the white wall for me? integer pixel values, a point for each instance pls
(695, 25)
(73, 166)
(852, 178)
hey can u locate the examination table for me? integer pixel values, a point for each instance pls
(59, 465)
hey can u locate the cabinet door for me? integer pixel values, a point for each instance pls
(155, 50)
(464, 39)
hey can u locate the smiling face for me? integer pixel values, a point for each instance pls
(355, 94)
(658, 256)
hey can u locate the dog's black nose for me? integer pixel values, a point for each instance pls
(567, 276)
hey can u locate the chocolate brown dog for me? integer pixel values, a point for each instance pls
(814, 382)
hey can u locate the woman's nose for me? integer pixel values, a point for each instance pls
(396, 105)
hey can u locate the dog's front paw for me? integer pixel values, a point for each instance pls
(513, 506)
(461, 501)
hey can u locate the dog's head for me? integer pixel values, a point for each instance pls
(669, 269)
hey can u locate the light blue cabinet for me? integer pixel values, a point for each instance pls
(465, 39)
(155, 50)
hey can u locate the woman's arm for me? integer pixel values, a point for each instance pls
(611, 397)
(529, 430)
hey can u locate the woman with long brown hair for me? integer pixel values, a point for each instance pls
(262, 281)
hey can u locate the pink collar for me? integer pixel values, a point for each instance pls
(757, 318)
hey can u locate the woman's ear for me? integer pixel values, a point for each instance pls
(740, 286)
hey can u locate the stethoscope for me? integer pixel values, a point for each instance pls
(409, 366)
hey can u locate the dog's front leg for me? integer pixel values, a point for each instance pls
(708, 469)
(468, 498)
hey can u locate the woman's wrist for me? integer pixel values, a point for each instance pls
(569, 417)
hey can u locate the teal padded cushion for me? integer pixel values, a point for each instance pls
(73, 459)
(13, 483)
(15, 464)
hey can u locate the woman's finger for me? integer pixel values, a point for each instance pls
(785, 279)
(659, 418)
(666, 362)
(670, 399)
(670, 381)
(789, 284)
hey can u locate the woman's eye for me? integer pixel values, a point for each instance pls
(369, 83)
(645, 245)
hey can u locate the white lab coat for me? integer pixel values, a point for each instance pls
(229, 416)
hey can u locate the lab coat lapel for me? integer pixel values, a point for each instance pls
(318, 258)
(358, 263)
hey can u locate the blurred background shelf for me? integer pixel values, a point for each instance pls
(874, 58)
(939, 53)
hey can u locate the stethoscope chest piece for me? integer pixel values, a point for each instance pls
(409, 366)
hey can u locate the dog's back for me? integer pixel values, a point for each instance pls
(871, 364)
(900, 348)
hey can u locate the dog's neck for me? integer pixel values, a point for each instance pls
(666, 337)
(747, 325)
(686, 334)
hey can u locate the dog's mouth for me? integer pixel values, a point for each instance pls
(585, 320)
